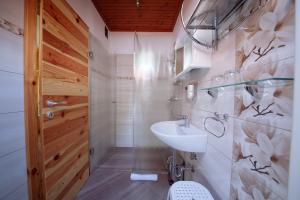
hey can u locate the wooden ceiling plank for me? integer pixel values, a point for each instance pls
(151, 16)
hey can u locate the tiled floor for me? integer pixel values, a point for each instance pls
(111, 181)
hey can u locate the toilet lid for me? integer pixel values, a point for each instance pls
(189, 190)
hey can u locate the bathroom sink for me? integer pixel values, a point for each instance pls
(172, 133)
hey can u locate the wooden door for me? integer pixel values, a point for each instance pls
(63, 100)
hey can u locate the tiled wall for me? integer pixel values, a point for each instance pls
(151, 106)
(251, 160)
(13, 181)
(102, 108)
(125, 88)
(139, 104)
(143, 86)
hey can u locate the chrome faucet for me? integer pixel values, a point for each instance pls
(186, 120)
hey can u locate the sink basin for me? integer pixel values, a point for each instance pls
(189, 139)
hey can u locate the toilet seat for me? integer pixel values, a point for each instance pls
(188, 190)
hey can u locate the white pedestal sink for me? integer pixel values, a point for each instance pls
(189, 139)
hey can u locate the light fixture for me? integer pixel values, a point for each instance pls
(137, 3)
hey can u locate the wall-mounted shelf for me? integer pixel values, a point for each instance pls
(264, 83)
(212, 20)
(182, 74)
(203, 26)
(189, 58)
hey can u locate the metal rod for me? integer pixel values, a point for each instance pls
(184, 27)
(237, 6)
(205, 27)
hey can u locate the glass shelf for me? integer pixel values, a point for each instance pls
(264, 83)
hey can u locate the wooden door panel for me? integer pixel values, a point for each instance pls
(66, 154)
(64, 79)
(63, 46)
(58, 12)
(75, 184)
(61, 33)
(59, 59)
(64, 116)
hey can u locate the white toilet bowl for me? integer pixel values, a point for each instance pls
(188, 190)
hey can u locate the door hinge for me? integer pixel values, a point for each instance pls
(92, 151)
(39, 110)
(91, 55)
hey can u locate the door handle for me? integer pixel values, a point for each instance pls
(52, 103)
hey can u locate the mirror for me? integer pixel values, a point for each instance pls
(179, 60)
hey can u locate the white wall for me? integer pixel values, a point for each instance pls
(123, 42)
(139, 103)
(88, 13)
(294, 180)
(124, 100)
(13, 181)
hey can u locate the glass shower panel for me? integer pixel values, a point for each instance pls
(125, 87)
(101, 95)
(153, 73)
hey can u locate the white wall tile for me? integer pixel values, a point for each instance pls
(12, 172)
(13, 176)
(124, 60)
(21, 193)
(224, 143)
(12, 92)
(12, 132)
(13, 11)
(124, 140)
(216, 169)
(124, 129)
(11, 48)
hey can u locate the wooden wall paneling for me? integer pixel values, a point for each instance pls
(63, 34)
(64, 75)
(150, 16)
(63, 62)
(31, 81)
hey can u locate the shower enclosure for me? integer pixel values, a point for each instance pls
(143, 87)
(101, 70)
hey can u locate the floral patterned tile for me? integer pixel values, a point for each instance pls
(273, 107)
(267, 35)
(245, 184)
(265, 49)
(262, 152)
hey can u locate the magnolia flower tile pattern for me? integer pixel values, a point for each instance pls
(261, 141)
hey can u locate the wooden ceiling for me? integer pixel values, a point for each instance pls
(149, 16)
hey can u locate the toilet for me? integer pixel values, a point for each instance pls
(188, 190)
